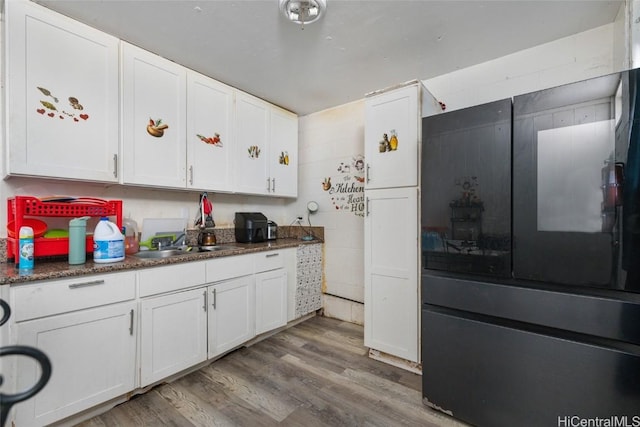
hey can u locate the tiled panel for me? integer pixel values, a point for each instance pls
(309, 276)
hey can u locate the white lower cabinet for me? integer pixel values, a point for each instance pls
(92, 354)
(182, 313)
(231, 314)
(271, 300)
(173, 334)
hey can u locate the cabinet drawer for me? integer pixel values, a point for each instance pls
(270, 260)
(229, 267)
(41, 299)
(170, 278)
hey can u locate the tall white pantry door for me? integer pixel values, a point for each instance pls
(391, 304)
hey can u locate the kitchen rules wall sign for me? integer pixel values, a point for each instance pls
(346, 188)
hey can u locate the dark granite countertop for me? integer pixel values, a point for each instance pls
(47, 270)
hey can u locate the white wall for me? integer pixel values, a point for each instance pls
(329, 139)
(573, 58)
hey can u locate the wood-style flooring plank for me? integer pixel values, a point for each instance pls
(262, 398)
(314, 374)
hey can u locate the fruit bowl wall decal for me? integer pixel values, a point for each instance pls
(156, 128)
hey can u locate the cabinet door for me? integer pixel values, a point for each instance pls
(173, 334)
(62, 96)
(231, 314)
(153, 119)
(271, 300)
(251, 151)
(210, 138)
(283, 153)
(391, 138)
(92, 353)
(391, 267)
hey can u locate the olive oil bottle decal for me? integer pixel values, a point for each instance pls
(393, 141)
(389, 142)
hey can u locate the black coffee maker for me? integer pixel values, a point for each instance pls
(250, 227)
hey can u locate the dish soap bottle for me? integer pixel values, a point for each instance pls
(108, 242)
(131, 244)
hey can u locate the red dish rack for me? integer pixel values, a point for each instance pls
(19, 207)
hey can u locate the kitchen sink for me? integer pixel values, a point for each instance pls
(169, 253)
(164, 253)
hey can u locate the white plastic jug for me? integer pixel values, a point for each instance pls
(108, 242)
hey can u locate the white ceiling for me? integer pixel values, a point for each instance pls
(357, 47)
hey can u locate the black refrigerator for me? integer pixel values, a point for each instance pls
(531, 257)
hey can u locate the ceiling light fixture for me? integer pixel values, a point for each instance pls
(303, 11)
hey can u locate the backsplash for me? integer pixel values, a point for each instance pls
(141, 203)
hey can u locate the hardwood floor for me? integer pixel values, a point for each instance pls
(316, 373)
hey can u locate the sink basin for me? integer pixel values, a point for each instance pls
(165, 253)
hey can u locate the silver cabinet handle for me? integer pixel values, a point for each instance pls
(131, 322)
(115, 165)
(366, 213)
(272, 255)
(85, 284)
(367, 173)
(273, 185)
(191, 174)
(268, 185)
(214, 298)
(204, 307)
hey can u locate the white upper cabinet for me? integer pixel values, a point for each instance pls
(391, 138)
(153, 119)
(267, 148)
(252, 127)
(210, 138)
(83, 105)
(283, 153)
(392, 134)
(62, 96)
